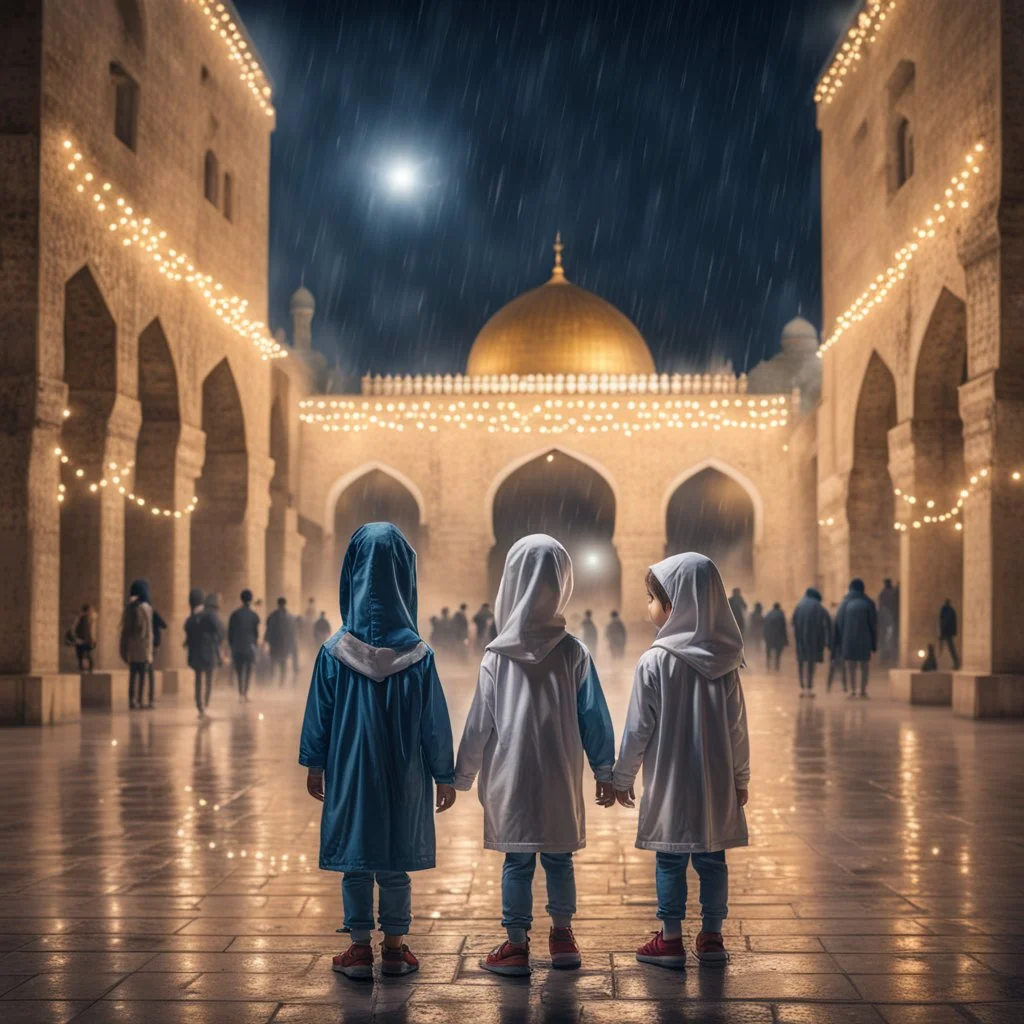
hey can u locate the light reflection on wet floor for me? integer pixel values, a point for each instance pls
(172, 877)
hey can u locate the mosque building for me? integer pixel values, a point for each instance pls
(154, 427)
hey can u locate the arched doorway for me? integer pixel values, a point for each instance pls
(150, 544)
(220, 549)
(711, 512)
(931, 558)
(870, 505)
(560, 495)
(87, 550)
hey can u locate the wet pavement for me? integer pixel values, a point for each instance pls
(159, 869)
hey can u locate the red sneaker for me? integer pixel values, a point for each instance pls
(511, 959)
(663, 952)
(355, 962)
(710, 949)
(565, 954)
(398, 960)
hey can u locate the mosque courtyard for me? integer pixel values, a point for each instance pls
(158, 869)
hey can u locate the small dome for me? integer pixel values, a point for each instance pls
(799, 335)
(559, 328)
(302, 298)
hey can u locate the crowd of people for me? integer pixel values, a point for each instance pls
(852, 634)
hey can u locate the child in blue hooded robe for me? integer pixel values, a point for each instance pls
(375, 739)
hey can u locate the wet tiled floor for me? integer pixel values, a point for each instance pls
(159, 869)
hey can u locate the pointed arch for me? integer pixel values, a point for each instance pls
(347, 479)
(726, 469)
(510, 468)
(941, 364)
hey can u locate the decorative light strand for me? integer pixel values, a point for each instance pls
(551, 417)
(116, 479)
(251, 73)
(869, 22)
(931, 517)
(954, 197)
(134, 229)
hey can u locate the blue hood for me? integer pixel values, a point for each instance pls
(378, 588)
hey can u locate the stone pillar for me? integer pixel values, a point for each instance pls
(284, 554)
(452, 569)
(637, 553)
(992, 409)
(926, 463)
(92, 535)
(30, 430)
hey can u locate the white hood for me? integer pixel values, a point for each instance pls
(376, 663)
(701, 629)
(535, 589)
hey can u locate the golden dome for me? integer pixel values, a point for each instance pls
(559, 328)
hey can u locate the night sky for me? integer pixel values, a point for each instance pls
(673, 143)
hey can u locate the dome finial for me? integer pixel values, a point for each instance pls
(558, 273)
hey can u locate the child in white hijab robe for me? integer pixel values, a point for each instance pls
(538, 708)
(687, 726)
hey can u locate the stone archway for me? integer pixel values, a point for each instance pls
(220, 549)
(557, 493)
(870, 504)
(710, 511)
(929, 451)
(150, 541)
(91, 522)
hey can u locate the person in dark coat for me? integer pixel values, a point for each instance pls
(812, 634)
(281, 637)
(615, 635)
(776, 636)
(460, 632)
(588, 632)
(321, 630)
(739, 609)
(443, 631)
(482, 621)
(948, 632)
(755, 628)
(84, 634)
(930, 663)
(137, 639)
(159, 626)
(856, 632)
(243, 639)
(888, 623)
(204, 635)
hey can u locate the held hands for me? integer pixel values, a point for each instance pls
(605, 794)
(315, 785)
(626, 797)
(445, 797)
(742, 795)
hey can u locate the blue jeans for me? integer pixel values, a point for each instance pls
(517, 887)
(395, 901)
(670, 881)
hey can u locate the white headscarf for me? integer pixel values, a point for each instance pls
(535, 588)
(701, 629)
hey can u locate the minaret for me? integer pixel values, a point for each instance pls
(558, 272)
(303, 306)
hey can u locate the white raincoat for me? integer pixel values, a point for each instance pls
(538, 707)
(687, 723)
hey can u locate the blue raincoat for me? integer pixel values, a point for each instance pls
(376, 718)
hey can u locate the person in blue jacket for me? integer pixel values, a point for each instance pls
(376, 739)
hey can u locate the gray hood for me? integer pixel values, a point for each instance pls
(376, 663)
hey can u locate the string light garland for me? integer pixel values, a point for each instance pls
(932, 517)
(117, 478)
(851, 51)
(551, 417)
(954, 197)
(251, 73)
(133, 229)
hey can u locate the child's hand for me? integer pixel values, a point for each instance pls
(742, 795)
(445, 797)
(626, 797)
(315, 785)
(605, 794)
